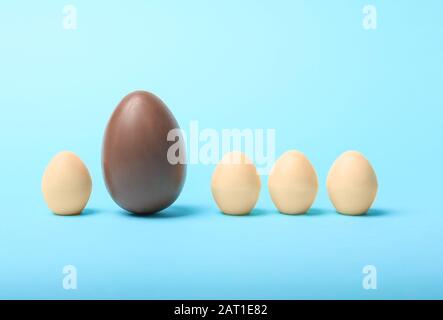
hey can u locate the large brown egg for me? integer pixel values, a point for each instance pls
(139, 172)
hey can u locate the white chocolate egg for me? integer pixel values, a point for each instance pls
(66, 184)
(235, 184)
(352, 184)
(293, 183)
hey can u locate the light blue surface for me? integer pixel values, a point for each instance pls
(306, 68)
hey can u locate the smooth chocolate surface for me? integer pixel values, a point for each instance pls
(137, 172)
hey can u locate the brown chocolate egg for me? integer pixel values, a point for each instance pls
(143, 166)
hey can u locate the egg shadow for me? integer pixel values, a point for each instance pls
(174, 211)
(376, 212)
(254, 213)
(84, 213)
(314, 212)
(89, 212)
(258, 212)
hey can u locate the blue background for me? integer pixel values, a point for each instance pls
(306, 68)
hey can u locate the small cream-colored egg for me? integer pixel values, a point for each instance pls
(293, 183)
(66, 184)
(235, 184)
(352, 184)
